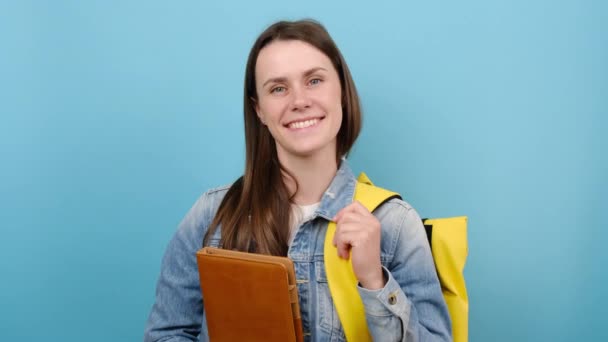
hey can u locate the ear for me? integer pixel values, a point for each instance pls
(256, 106)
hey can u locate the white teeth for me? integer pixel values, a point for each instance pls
(303, 124)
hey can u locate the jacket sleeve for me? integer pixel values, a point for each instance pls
(410, 307)
(177, 313)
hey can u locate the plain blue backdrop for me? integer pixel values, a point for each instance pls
(117, 115)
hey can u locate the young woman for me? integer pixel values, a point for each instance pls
(302, 116)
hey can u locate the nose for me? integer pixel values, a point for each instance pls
(300, 99)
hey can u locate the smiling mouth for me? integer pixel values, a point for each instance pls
(300, 124)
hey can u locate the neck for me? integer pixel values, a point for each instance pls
(313, 174)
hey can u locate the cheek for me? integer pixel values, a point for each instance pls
(335, 96)
(269, 109)
(334, 102)
(339, 117)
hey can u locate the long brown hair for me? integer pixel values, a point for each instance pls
(254, 214)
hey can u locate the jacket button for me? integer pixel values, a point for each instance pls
(392, 299)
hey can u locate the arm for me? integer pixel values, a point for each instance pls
(177, 313)
(410, 307)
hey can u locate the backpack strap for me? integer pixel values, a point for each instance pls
(340, 275)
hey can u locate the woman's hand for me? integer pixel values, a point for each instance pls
(358, 232)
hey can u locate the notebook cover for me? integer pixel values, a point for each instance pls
(249, 297)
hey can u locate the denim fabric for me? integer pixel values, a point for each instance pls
(409, 308)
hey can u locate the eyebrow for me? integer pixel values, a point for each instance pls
(284, 79)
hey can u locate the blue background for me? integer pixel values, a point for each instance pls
(116, 115)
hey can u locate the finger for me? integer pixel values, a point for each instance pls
(350, 217)
(351, 208)
(345, 242)
(358, 207)
(343, 228)
(343, 249)
(344, 210)
(339, 214)
(354, 207)
(342, 244)
(347, 229)
(340, 229)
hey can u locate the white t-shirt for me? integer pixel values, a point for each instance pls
(300, 214)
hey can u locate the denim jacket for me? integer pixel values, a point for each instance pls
(416, 310)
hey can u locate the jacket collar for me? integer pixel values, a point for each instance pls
(339, 194)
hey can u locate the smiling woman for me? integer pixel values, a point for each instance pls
(302, 106)
(302, 116)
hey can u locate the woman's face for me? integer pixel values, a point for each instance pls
(299, 98)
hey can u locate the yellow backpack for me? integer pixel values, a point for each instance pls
(448, 241)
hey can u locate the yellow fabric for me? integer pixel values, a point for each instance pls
(343, 287)
(340, 275)
(449, 247)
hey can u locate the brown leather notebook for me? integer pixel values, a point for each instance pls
(249, 297)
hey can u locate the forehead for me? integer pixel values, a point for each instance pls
(288, 58)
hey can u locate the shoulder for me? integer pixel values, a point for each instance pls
(399, 222)
(208, 202)
(395, 211)
(218, 190)
(215, 194)
(199, 217)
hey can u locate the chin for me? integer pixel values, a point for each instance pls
(309, 151)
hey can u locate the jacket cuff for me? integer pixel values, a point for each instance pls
(389, 300)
